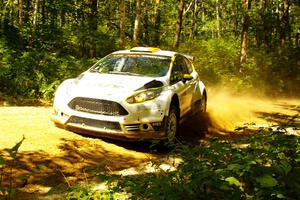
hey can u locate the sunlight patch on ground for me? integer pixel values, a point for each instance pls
(150, 167)
(41, 134)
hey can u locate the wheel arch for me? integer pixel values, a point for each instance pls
(204, 94)
(199, 92)
(174, 101)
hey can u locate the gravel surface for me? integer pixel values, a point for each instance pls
(52, 159)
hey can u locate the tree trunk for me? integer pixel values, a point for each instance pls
(157, 23)
(27, 10)
(195, 11)
(297, 39)
(244, 45)
(43, 12)
(145, 19)
(122, 24)
(3, 17)
(137, 23)
(267, 32)
(21, 23)
(218, 19)
(235, 18)
(93, 27)
(62, 18)
(284, 22)
(179, 23)
(34, 21)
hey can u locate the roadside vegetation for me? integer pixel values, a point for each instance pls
(262, 165)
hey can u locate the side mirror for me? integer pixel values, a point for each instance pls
(187, 77)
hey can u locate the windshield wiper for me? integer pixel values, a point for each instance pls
(95, 70)
(126, 73)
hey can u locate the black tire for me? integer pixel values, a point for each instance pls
(172, 124)
(203, 104)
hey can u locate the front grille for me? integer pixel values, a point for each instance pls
(95, 123)
(97, 106)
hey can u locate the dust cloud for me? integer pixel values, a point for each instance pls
(227, 112)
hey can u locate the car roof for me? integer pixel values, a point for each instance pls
(147, 51)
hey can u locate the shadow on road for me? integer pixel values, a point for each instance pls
(191, 131)
(80, 161)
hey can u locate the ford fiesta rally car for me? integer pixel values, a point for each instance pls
(137, 94)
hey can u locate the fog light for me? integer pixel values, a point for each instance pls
(145, 126)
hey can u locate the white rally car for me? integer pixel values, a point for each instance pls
(137, 94)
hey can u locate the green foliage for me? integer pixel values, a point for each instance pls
(216, 59)
(37, 74)
(87, 193)
(40, 47)
(262, 166)
(275, 72)
(265, 165)
(80, 193)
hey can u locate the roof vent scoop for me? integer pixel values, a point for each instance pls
(145, 49)
(151, 84)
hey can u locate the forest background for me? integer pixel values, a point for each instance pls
(247, 45)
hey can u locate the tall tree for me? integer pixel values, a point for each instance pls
(218, 18)
(137, 22)
(284, 21)
(194, 24)
(34, 22)
(245, 29)
(21, 22)
(180, 9)
(122, 24)
(93, 23)
(156, 23)
(145, 22)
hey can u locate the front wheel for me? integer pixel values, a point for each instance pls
(172, 123)
(203, 104)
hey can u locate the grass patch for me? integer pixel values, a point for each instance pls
(260, 166)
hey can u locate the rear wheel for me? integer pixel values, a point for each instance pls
(172, 123)
(199, 107)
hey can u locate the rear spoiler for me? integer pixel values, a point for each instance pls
(191, 58)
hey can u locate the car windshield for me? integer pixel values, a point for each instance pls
(133, 64)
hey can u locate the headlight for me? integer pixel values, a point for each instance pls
(145, 95)
(63, 91)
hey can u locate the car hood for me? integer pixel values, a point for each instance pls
(109, 86)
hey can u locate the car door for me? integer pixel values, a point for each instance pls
(181, 88)
(192, 84)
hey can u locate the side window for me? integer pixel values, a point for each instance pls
(184, 66)
(178, 70)
(189, 65)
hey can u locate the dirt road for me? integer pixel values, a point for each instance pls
(51, 158)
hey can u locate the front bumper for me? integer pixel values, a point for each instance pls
(144, 122)
(121, 134)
